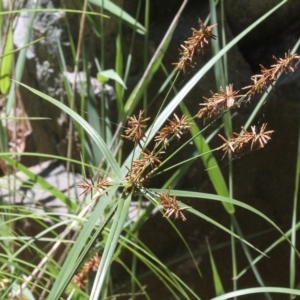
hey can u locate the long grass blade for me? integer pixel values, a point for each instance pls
(72, 261)
(210, 163)
(216, 277)
(114, 10)
(7, 62)
(206, 196)
(111, 243)
(293, 264)
(258, 290)
(153, 65)
(89, 129)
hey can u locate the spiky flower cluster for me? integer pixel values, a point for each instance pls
(228, 98)
(269, 76)
(171, 207)
(142, 169)
(247, 141)
(194, 46)
(149, 161)
(100, 185)
(176, 127)
(217, 102)
(81, 278)
(136, 127)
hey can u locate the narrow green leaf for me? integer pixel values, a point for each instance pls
(110, 245)
(23, 47)
(89, 129)
(6, 64)
(269, 249)
(119, 70)
(217, 280)
(218, 225)
(1, 18)
(36, 179)
(210, 163)
(293, 263)
(116, 11)
(3, 138)
(142, 85)
(205, 196)
(44, 10)
(104, 76)
(258, 290)
(72, 261)
(20, 64)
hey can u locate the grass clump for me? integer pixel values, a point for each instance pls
(99, 232)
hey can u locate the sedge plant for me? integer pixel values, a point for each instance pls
(95, 235)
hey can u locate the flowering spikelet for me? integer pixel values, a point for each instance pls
(92, 264)
(239, 144)
(101, 185)
(213, 105)
(194, 46)
(142, 169)
(175, 127)
(86, 186)
(135, 129)
(269, 76)
(171, 207)
(137, 175)
(151, 158)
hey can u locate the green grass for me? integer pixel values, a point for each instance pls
(102, 225)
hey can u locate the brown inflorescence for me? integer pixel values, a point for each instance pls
(142, 169)
(80, 279)
(171, 207)
(136, 127)
(100, 185)
(194, 46)
(240, 144)
(288, 64)
(175, 127)
(217, 102)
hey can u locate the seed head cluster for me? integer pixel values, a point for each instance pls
(142, 169)
(262, 81)
(194, 46)
(218, 102)
(81, 277)
(247, 141)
